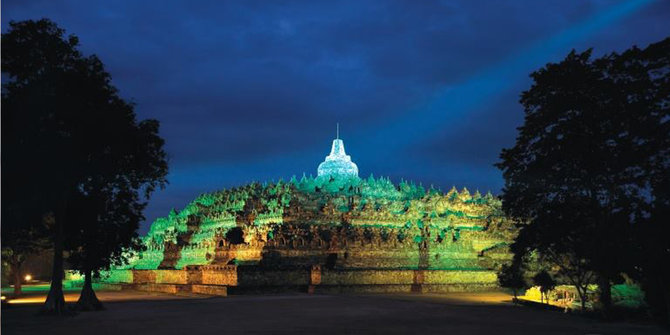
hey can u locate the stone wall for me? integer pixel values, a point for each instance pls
(206, 275)
(117, 276)
(144, 276)
(216, 280)
(171, 276)
(219, 275)
(260, 277)
(394, 277)
(435, 280)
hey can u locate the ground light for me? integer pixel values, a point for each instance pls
(29, 277)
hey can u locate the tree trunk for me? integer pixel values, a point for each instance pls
(16, 270)
(582, 297)
(605, 292)
(665, 294)
(88, 301)
(55, 303)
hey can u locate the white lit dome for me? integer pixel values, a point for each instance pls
(338, 163)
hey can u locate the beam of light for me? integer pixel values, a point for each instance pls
(40, 299)
(454, 102)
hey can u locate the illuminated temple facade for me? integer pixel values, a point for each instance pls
(335, 232)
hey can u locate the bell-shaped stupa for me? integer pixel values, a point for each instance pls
(338, 163)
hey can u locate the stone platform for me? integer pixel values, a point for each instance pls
(221, 280)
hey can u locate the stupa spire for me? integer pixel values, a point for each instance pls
(338, 163)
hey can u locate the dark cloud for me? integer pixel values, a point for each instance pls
(424, 90)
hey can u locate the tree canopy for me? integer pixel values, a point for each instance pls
(74, 148)
(586, 175)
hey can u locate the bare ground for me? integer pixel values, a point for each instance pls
(131, 312)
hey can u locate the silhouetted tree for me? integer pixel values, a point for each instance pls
(546, 283)
(109, 203)
(25, 221)
(70, 140)
(107, 218)
(580, 176)
(511, 276)
(40, 101)
(645, 74)
(19, 243)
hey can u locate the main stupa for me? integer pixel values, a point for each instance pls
(338, 163)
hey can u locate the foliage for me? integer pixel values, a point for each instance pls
(74, 149)
(546, 283)
(107, 208)
(17, 244)
(41, 150)
(586, 173)
(511, 276)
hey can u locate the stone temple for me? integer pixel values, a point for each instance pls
(336, 232)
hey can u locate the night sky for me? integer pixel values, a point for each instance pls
(252, 90)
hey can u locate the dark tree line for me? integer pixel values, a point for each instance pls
(78, 167)
(588, 179)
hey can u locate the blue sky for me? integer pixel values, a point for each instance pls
(251, 90)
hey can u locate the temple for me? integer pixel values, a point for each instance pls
(336, 232)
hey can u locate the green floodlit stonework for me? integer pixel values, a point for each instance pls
(417, 228)
(336, 222)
